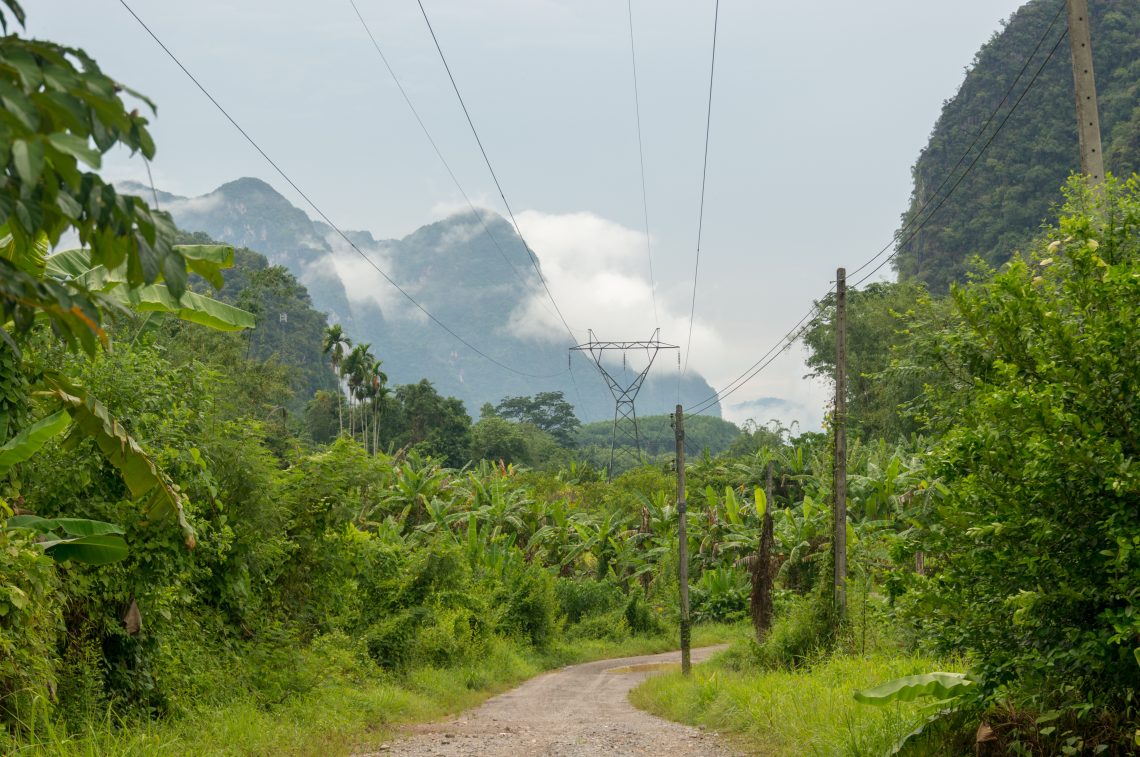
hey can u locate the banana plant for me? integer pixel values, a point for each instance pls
(76, 266)
(87, 541)
(559, 540)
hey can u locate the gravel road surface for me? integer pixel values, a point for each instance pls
(577, 711)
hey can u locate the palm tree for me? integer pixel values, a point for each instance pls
(336, 343)
(355, 370)
(376, 392)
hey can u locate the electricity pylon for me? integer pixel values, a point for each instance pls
(625, 412)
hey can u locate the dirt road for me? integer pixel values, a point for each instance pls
(577, 711)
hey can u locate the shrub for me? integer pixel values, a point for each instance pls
(454, 635)
(529, 605)
(390, 641)
(586, 597)
(29, 615)
(721, 595)
(609, 627)
(805, 630)
(640, 617)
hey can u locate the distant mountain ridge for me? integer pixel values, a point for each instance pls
(468, 279)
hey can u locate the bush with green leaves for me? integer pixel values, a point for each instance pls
(528, 605)
(30, 609)
(721, 595)
(1034, 558)
(582, 598)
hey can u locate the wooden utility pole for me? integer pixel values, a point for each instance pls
(762, 568)
(682, 540)
(840, 422)
(1088, 122)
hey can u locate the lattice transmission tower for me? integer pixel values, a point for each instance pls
(624, 392)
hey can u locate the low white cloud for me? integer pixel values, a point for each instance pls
(459, 234)
(190, 205)
(363, 283)
(598, 271)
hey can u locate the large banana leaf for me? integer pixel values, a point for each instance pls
(25, 444)
(90, 550)
(205, 260)
(93, 550)
(69, 526)
(192, 307)
(88, 541)
(161, 500)
(909, 688)
(30, 258)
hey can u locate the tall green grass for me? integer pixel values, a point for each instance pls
(350, 709)
(806, 711)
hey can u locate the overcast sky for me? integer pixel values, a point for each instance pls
(819, 110)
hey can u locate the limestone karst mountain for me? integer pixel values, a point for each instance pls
(453, 268)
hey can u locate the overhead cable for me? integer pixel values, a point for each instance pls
(321, 213)
(704, 177)
(438, 152)
(794, 332)
(641, 154)
(494, 176)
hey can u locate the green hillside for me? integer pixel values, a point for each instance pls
(1002, 202)
(701, 432)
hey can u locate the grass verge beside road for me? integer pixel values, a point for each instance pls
(352, 707)
(807, 711)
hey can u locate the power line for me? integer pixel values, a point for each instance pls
(794, 332)
(320, 212)
(435, 147)
(704, 178)
(962, 158)
(641, 154)
(487, 160)
(787, 340)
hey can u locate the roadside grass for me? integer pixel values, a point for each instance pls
(346, 712)
(809, 710)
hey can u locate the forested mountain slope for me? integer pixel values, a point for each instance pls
(1002, 202)
(469, 281)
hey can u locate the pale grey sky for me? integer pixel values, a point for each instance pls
(819, 110)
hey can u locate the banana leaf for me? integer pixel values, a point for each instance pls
(26, 443)
(161, 499)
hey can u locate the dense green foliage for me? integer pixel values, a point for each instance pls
(1000, 206)
(1037, 571)
(877, 316)
(378, 542)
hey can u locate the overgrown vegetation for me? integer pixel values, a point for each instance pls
(254, 544)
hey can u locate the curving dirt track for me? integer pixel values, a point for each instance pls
(577, 711)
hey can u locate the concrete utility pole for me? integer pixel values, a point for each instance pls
(682, 539)
(1088, 122)
(840, 421)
